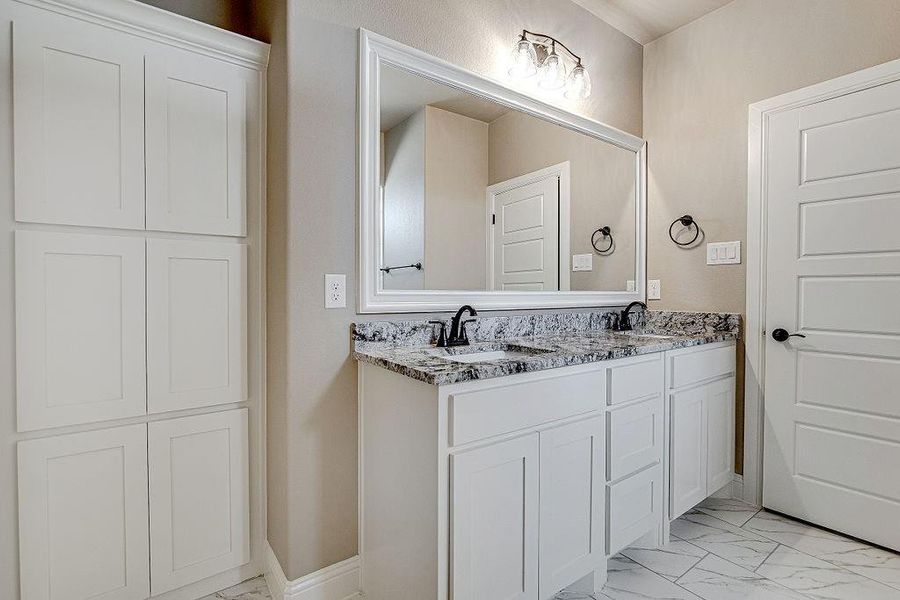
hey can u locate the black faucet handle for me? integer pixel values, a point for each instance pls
(462, 330)
(442, 337)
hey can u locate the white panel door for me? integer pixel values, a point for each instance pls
(719, 434)
(83, 516)
(526, 237)
(196, 129)
(572, 514)
(832, 426)
(79, 122)
(688, 440)
(80, 352)
(494, 545)
(196, 324)
(199, 497)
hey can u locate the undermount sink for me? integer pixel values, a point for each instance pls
(644, 335)
(474, 354)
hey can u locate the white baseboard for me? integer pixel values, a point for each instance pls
(339, 581)
(737, 487)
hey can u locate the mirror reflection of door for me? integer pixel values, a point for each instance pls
(524, 240)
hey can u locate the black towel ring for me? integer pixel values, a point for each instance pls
(686, 221)
(606, 232)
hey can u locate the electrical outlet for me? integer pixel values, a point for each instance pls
(653, 289)
(335, 291)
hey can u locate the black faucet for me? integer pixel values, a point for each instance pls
(624, 320)
(458, 335)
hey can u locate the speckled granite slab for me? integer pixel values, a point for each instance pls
(532, 342)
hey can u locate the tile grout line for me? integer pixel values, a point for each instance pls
(830, 562)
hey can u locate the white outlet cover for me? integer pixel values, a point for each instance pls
(582, 262)
(653, 289)
(335, 291)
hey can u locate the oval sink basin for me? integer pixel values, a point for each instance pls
(481, 356)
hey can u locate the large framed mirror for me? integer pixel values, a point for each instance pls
(474, 193)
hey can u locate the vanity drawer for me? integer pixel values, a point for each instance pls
(700, 365)
(635, 508)
(634, 437)
(486, 412)
(637, 378)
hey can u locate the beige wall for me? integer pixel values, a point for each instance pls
(313, 211)
(698, 83)
(233, 15)
(601, 189)
(456, 176)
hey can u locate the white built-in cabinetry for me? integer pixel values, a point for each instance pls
(700, 387)
(520, 486)
(137, 137)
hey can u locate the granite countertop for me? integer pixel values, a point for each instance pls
(547, 349)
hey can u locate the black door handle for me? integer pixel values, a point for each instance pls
(781, 335)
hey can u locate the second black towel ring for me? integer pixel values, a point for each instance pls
(686, 221)
(604, 232)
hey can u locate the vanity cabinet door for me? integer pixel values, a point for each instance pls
(688, 454)
(199, 497)
(196, 130)
(83, 516)
(720, 434)
(79, 122)
(572, 504)
(495, 495)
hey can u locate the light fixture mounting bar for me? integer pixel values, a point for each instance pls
(548, 40)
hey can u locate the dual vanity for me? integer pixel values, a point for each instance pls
(513, 466)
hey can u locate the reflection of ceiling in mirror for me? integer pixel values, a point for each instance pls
(403, 93)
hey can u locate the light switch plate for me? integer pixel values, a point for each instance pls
(335, 291)
(723, 253)
(582, 262)
(653, 289)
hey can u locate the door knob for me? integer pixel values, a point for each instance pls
(781, 335)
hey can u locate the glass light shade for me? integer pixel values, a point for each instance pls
(523, 60)
(553, 73)
(579, 84)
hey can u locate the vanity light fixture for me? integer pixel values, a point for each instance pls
(536, 54)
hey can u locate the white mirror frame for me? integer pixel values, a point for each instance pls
(376, 50)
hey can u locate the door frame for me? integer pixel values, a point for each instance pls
(563, 172)
(757, 201)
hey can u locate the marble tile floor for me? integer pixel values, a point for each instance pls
(727, 550)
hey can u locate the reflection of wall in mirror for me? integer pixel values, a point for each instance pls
(456, 177)
(403, 201)
(602, 189)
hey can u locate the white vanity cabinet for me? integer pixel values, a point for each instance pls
(700, 389)
(517, 487)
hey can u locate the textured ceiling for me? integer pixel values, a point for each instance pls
(646, 20)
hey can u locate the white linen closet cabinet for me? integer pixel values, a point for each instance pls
(139, 239)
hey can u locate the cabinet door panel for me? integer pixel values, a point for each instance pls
(688, 455)
(83, 516)
(572, 500)
(634, 508)
(79, 122)
(196, 129)
(494, 543)
(720, 434)
(79, 328)
(199, 497)
(634, 437)
(196, 323)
